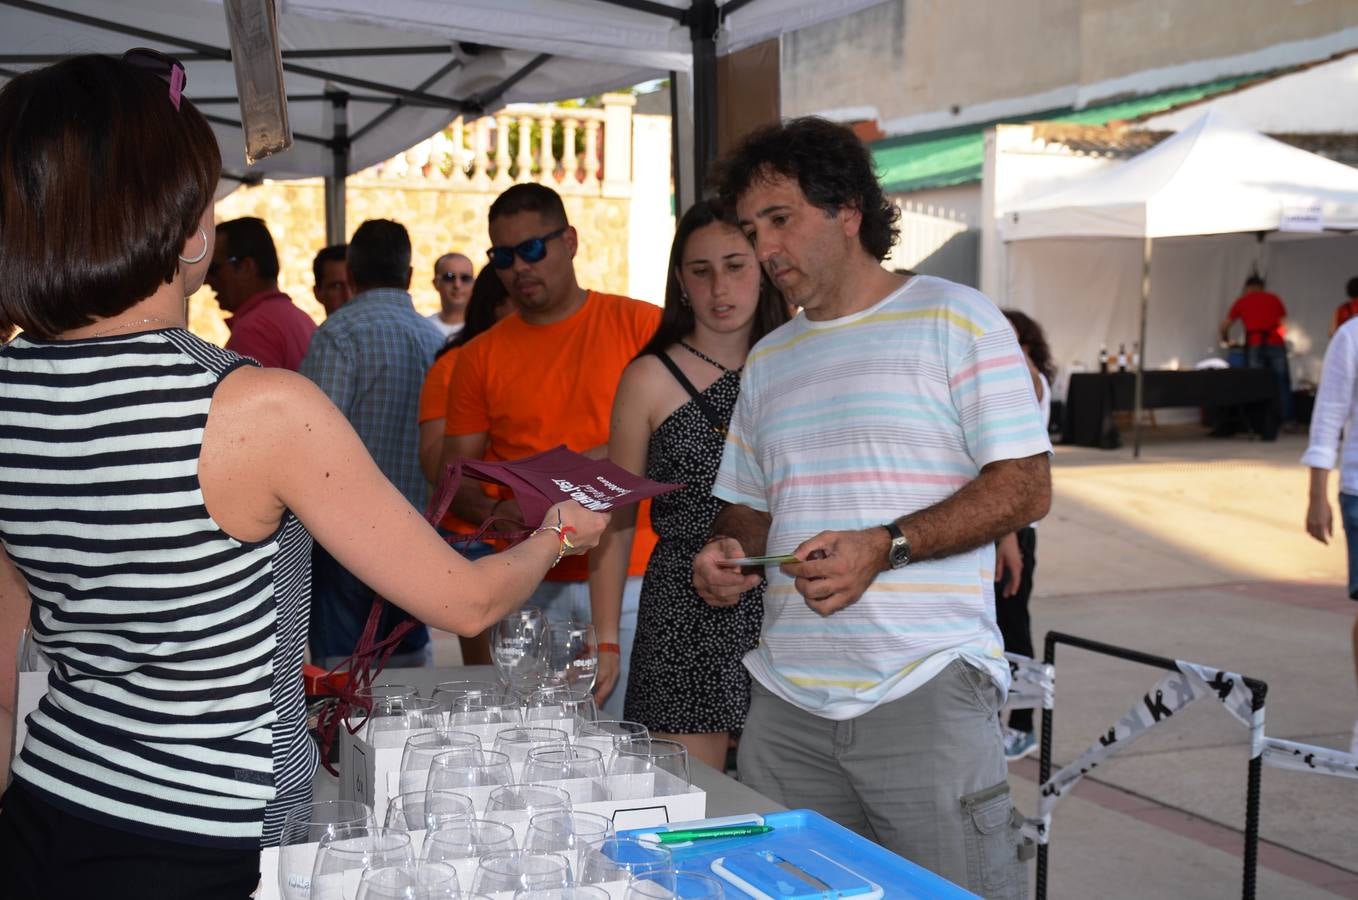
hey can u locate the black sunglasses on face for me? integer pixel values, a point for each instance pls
(456, 276)
(530, 251)
(214, 266)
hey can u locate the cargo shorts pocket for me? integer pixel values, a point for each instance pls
(993, 839)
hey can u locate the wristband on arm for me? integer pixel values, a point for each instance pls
(610, 648)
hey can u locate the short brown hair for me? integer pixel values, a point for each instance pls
(529, 197)
(102, 181)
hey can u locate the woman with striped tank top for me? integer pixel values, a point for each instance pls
(158, 498)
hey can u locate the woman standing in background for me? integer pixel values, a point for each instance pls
(669, 423)
(1016, 555)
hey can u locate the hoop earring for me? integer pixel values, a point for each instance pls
(199, 257)
(679, 283)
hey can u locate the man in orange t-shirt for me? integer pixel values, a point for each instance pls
(546, 376)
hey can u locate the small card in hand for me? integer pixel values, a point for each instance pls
(739, 562)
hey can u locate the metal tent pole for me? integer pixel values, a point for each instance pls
(1141, 356)
(703, 25)
(339, 172)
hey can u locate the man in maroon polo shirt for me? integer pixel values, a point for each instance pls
(264, 322)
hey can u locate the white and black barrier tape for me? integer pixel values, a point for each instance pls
(1032, 684)
(1172, 693)
(1307, 758)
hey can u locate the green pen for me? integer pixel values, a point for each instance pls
(720, 831)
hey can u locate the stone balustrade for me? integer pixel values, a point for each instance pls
(583, 151)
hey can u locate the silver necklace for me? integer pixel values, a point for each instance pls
(146, 321)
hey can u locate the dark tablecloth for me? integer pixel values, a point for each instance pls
(1092, 398)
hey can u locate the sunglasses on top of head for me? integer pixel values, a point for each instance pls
(456, 276)
(530, 251)
(163, 66)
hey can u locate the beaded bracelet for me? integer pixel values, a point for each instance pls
(562, 531)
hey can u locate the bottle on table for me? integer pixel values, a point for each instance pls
(1136, 356)
(1103, 359)
(1122, 357)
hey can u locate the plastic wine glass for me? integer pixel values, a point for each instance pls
(558, 702)
(305, 826)
(574, 892)
(526, 800)
(467, 840)
(453, 695)
(618, 858)
(649, 768)
(580, 770)
(606, 735)
(341, 859)
(421, 748)
(669, 883)
(509, 870)
(518, 647)
(427, 810)
(567, 832)
(468, 768)
(517, 742)
(422, 881)
(572, 657)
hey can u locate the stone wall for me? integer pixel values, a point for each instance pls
(439, 219)
(611, 167)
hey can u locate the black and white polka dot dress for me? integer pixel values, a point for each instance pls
(686, 675)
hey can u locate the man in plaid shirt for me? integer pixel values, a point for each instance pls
(370, 357)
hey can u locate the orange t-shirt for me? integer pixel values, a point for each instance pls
(434, 405)
(532, 387)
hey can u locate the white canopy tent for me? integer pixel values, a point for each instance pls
(1200, 210)
(367, 79)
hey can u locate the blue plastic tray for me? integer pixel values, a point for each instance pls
(800, 830)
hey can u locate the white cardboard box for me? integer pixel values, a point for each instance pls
(269, 889)
(371, 774)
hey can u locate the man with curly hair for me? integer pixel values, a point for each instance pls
(885, 438)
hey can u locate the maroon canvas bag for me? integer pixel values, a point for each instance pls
(539, 482)
(543, 480)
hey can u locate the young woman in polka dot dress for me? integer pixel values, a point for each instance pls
(669, 423)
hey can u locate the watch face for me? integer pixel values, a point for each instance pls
(900, 553)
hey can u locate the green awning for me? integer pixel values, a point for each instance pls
(952, 156)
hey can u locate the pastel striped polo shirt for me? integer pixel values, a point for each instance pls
(850, 423)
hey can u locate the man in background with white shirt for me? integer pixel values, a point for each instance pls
(453, 279)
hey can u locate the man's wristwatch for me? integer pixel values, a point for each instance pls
(898, 555)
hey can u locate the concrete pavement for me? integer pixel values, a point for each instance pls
(1195, 552)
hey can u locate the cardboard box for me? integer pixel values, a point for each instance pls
(269, 890)
(371, 774)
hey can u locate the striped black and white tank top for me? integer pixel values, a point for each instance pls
(174, 706)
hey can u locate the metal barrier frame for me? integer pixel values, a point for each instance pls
(1258, 691)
